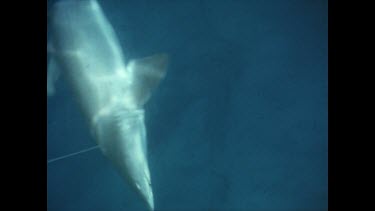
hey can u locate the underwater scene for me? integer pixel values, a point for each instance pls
(187, 105)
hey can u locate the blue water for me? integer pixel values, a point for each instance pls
(239, 123)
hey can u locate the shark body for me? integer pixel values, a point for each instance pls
(111, 92)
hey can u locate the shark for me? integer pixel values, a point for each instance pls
(110, 90)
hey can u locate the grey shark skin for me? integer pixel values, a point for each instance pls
(110, 92)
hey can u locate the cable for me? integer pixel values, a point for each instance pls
(72, 154)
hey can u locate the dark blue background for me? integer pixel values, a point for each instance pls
(239, 123)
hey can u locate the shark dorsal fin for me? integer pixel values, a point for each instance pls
(147, 74)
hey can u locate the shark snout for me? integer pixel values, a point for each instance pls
(150, 199)
(145, 190)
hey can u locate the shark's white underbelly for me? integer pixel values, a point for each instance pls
(93, 63)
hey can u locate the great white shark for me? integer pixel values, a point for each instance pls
(110, 90)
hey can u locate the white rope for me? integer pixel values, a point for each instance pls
(72, 154)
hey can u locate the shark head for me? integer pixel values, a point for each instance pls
(121, 136)
(119, 126)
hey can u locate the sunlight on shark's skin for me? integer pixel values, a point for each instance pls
(110, 92)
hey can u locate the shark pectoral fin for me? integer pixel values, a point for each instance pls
(52, 76)
(147, 74)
